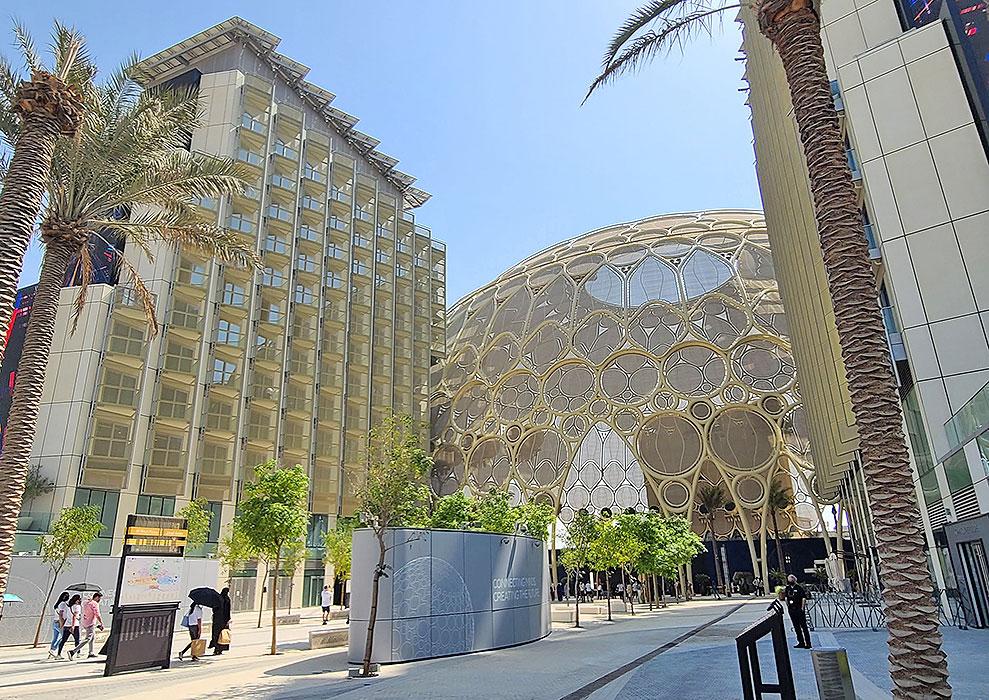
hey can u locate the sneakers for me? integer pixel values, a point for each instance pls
(92, 656)
(72, 655)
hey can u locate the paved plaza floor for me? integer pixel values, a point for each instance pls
(684, 651)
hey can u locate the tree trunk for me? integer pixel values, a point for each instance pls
(274, 603)
(918, 665)
(23, 416)
(44, 608)
(264, 584)
(717, 564)
(779, 549)
(629, 595)
(372, 618)
(20, 203)
(607, 587)
(576, 613)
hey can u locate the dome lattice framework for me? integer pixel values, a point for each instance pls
(625, 368)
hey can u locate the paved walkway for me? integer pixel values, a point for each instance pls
(683, 651)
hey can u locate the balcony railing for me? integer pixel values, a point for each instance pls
(252, 123)
(870, 235)
(839, 103)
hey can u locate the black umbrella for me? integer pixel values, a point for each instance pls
(206, 596)
(84, 587)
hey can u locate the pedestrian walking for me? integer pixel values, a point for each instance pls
(796, 606)
(91, 620)
(220, 640)
(326, 600)
(193, 621)
(57, 624)
(70, 611)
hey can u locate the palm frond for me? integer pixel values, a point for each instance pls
(141, 291)
(640, 19)
(83, 271)
(69, 51)
(9, 82)
(23, 39)
(668, 33)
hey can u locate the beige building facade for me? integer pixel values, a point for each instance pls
(294, 361)
(910, 90)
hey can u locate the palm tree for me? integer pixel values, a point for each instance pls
(778, 501)
(127, 175)
(712, 498)
(34, 112)
(918, 666)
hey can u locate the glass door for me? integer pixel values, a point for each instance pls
(977, 573)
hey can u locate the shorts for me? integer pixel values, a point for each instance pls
(326, 608)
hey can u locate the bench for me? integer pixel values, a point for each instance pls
(289, 619)
(324, 639)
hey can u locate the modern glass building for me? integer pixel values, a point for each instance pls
(294, 361)
(909, 82)
(626, 368)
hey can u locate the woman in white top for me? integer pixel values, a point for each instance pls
(194, 621)
(69, 613)
(57, 623)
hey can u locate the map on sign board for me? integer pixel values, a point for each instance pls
(152, 580)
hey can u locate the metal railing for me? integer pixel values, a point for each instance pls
(753, 686)
(865, 610)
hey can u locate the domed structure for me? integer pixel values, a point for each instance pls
(625, 368)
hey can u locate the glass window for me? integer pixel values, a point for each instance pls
(336, 252)
(318, 525)
(223, 371)
(382, 256)
(168, 449)
(279, 180)
(273, 277)
(179, 357)
(983, 442)
(126, 339)
(118, 388)
(234, 294)
(402, 270)
(304, 295)
(111, 439)
(283, 149)
(930, 488)
(272, 312)
(305, 263)
(247, 156)
(228, 333)
(312, 203)
(308, 233)
(173, 402)
(156, 505)
(105, 501)
(957, 472)
(238, 222)
(916, 433)
(219, 415)
(191, 272)
(277, 211)
(216, 509)
(337, 223)
(362, 241)
(334, 280)
(313, 172)
(404, 247)
(275, 244)
(360, 268)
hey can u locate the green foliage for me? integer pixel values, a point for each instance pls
(291, 556)
(274, 512)
(579, 539)
(234, 549)
(70, 535)
(453, 512)
(36, 485)
(393, 491)
(198, 519)
(491, 512)
(617, 544)
(337, 544)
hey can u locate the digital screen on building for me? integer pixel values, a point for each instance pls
(15, 334)
(968, 27)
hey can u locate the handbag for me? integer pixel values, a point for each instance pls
(185, 620)
(224, 637)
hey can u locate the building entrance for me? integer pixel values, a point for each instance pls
(976, 565)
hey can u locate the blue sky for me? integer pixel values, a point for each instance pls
(481, 101)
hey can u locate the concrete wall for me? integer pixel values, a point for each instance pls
(448, 592)
(30, 578)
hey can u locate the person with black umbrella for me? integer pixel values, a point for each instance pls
(220, 641)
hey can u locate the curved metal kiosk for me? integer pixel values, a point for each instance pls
(448, 592)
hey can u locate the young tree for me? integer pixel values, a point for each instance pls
(534, 519)
(605, 552)
(127, 175)
(918, 665)
(338, 546)
(579, 538)
(453, 512)
(274, 515)
(198, 520)
(234, 549)
(628, 546)
(69, 536)
(391, 493)
(493, 513)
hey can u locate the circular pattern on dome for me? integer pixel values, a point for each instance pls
(675, 494)
(695, 370)
(447, 472)
(569, 387)
(763, 365)
(542, 458)
(742, 438)
(516, 396)
(651, 348)
(669, 444)
(630, 378)
(489, 465)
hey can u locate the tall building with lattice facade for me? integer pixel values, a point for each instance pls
(294, 361)
(627, 368)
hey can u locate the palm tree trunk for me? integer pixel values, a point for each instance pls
(918, 665)
(23, 417)
(20, 202)
(717, 564)
(779, 548)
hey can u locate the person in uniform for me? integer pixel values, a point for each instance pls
(796, 605)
